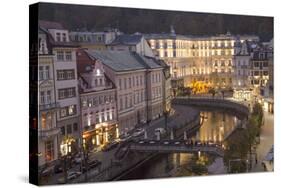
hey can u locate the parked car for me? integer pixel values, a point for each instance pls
(166, 142)
(47, 171)
(161, 130)
(124, 138)
(110, 146)
(58, 168)
(72, 175)
(138, 132)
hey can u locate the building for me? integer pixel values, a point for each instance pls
(134, 42)
(137, 43)
(48, 131)
(139, 86)
(98, 102)
(242, 69)
(262, 76)
(207, 60)
(65, 84)
(96, 40)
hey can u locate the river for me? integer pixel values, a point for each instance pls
(216, 126)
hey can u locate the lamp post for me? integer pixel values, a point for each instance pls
(166, 115)
(65, 150)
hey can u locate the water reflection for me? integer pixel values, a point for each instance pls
(216, 127)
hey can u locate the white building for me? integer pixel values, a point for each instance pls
(66, 84)
(242, 70)
(98, 102)
(48, 130)
(139, 83)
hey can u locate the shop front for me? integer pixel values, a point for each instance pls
(242, 94)
(102, 134)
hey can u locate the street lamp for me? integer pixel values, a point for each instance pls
(166, 115)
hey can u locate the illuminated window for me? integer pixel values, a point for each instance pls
(49, 150)
(98, 72)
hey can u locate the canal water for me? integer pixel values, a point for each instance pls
(216, 127)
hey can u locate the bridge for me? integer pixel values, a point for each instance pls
(218, 103)
(176, 146)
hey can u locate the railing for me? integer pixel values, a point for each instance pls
(180, 147)
(49, 106)
(216, 102)
(44, 133)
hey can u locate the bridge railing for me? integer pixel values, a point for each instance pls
(213, 102)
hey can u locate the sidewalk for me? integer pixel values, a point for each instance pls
(266, 141)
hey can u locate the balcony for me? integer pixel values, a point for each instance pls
(46, 133)
(49, 106)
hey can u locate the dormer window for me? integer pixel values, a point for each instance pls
(58, 37)
(64, 37)
(98, 72)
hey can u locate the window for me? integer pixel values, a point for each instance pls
(68, 111)
(63, 112)
(62, 130)
(69, 129)
(64, 37)
(49, 150)
(265, 64)
(256, 73)
(71, 92)
(265, 73)
(60, 75)
(75, 127)
(48, 98)
(60, 55)
(68, 55)
(97, 117)
(70, 74)
(42, 97)
(41, 73)
(47, 72)
(72, 110)
(130, 83)
(58, 37)
(120, 83)
(125, 83)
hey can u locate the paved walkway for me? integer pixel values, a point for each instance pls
(266, 141)
(181, 114)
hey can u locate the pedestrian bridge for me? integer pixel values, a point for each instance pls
(176, 146)
(240, 109)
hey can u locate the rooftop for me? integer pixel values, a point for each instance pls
(123, 60)
(127, 39)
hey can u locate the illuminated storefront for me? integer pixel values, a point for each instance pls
(100, 135)
(242, 94)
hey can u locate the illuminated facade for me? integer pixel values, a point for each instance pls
(242, 71)
(139, 86)
(198, 59)
(98, 102)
